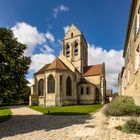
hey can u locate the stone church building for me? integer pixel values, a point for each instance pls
(68, 80)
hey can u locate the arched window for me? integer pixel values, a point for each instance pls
(71, 34)
(76, 48)
(51, 84)
(67, 50)
(40, 87)
(68, 86)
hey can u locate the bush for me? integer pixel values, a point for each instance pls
(122, 106)
(131, 126)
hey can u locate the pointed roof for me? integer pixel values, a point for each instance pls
(57, 65)
(72, 29)
(93, 70)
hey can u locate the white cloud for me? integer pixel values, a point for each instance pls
(66, 28)
(47, 49)
(49, 36)
(39, 60)
(58, 9)
(113, 62)
(28, 35)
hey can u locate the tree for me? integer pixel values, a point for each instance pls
(13, 67)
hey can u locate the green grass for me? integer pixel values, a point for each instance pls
(67, 110)
(5, 114)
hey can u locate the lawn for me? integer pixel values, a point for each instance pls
(5, 114)
(67, 110)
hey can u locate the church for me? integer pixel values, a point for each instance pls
(68, 80)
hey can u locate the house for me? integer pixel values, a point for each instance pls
(68, 80)
(129, 77)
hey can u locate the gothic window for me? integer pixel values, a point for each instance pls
(40, 87)
(68, 87)
(76, 48)
(51, 84)
(67, 50)
(82, 90)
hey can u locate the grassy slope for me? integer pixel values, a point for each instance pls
(5, 114)
(68, 110)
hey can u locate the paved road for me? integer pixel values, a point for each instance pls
(28, 124)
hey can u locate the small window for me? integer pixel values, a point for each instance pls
(71, 34)
(87, 90)
(82, 91)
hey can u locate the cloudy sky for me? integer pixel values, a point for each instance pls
(41, 25)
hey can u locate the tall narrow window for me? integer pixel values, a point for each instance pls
(67, 50)
(51, 84)
(76, 48)
(137, 59)
(60, 83)
(68, 86)
(82, 90)
(40, 87)
(87, 90)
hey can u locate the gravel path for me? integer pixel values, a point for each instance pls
(27, 124)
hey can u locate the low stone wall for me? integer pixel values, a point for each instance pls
(120, 121)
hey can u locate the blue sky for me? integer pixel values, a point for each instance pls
(103, 23)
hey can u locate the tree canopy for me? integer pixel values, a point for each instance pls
(13, 67)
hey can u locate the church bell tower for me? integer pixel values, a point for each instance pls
(75, 48)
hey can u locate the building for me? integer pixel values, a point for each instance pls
(129, 78)
(68, 80)
(110, 95)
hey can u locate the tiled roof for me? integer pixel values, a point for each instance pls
(93, 70)
(57, 64)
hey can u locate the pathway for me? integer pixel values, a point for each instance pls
(27, 124)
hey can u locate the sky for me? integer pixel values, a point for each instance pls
(41, 25)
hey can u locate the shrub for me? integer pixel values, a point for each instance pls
(131, 126)
(122, 106)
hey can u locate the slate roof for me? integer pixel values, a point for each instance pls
(57, 64)
(93, 70)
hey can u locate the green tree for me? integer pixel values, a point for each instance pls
(13, 67)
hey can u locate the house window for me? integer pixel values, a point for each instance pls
(68, 86)
(40, 87)
(82, 90)
(137, 59)
(87, 90)
(76, 49)
(51, 84)
(67, 50)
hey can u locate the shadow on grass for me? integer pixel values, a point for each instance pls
(5, 118)
(29, 123)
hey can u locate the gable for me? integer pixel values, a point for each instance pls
(72, 29)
